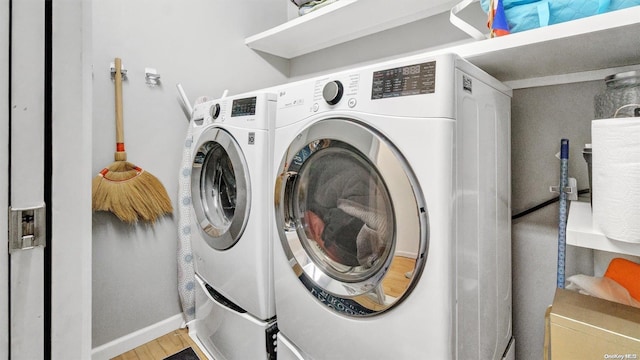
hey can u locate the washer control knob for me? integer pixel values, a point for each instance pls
(332, 92)
(214, 110)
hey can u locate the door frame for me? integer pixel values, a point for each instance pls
(71, 235)
(4, 175)
(28, 337)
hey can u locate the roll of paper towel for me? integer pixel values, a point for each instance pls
(616, 177)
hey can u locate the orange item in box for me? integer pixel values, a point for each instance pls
(625, 273)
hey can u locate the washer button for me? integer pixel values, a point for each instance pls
(316, 107)
(352, 102)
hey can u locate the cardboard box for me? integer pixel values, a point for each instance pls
(586, 327)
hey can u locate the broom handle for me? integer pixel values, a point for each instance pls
(120, 154)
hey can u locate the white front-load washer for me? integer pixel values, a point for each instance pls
(392, 213)
(232, 211)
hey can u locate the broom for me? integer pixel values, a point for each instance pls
(124, 189)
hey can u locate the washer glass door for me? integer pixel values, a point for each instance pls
(337, 195)
(219, 188)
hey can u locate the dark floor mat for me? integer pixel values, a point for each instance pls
(186, 354)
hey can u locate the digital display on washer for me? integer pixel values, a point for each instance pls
(243, 107)
(404, 81)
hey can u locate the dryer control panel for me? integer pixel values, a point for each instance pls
(404, 81)
(414, 87)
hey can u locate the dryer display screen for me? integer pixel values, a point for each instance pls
(243, 107)
(404, 81)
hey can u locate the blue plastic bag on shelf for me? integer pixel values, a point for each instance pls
(622, 4)
(530, 14)
(507, 4)
(547, 12)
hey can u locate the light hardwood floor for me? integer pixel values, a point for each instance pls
(396, 282)
(162, 347)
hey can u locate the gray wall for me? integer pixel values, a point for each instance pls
(541, 117)
(199, 43)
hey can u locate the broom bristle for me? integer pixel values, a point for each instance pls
(130, 193)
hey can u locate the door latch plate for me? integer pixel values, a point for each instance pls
(27, 228)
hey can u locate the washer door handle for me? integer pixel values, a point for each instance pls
(289, 181)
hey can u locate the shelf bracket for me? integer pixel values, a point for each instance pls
(463, 25)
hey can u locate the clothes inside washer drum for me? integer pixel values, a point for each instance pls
(340, 194)
(372, 236)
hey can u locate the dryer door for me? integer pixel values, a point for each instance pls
(338, 197)
(219, 188)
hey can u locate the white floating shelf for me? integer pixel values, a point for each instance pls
(340, 22)
(602, 41)
(583, 233)
(534, 57)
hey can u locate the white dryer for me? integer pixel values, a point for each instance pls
(392, 213)
(232, 216)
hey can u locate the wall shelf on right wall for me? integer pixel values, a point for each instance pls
(582, 232)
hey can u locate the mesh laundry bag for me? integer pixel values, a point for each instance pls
(307, 6)
(186, 272)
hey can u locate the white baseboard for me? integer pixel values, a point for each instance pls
(137, 338)
(406, 254)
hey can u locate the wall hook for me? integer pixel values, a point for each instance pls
(571, 189)
(151, 76)
(123, 71)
